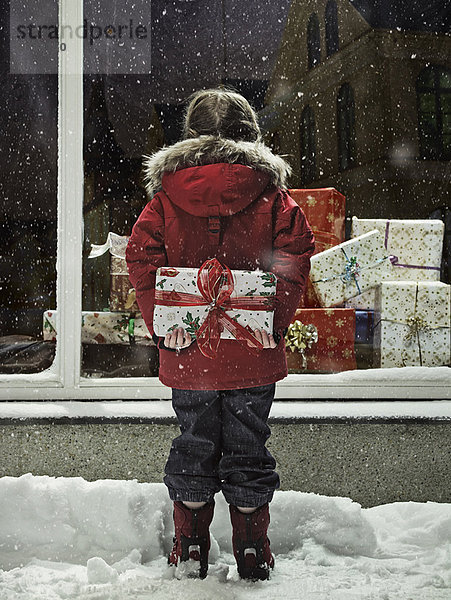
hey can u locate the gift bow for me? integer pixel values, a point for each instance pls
(416, 324)
(300, 337)
(352, 269)
(215, 283)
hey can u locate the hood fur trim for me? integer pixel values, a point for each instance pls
(208, 149)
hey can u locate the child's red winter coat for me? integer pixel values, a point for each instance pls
(260, 227)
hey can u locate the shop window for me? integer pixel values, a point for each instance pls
(308, 145)
(111, 121)
(313, 41)
(434, 112)
(331, 21)
(28, 221)
(346, 127)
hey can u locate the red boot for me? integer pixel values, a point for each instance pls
(251, 544)
(192, 536)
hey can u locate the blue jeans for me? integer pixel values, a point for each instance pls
(222, 446)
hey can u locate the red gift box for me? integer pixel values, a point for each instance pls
(334, 350)
(325, 212)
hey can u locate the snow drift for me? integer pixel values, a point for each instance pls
(69, 538)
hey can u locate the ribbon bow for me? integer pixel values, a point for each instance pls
(352, 269)
(415, 325)
(300, 337)
(215, 283)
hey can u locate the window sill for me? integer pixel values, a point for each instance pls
(408, 383)
(282, 411)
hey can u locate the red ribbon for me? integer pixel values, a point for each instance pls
(215, 283)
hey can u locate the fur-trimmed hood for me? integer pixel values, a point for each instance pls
(205, 150)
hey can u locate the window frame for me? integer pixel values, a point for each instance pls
(63, 380)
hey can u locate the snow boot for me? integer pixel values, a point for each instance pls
(192, 538)
(251, 544)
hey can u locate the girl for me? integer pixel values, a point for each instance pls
(220, 193)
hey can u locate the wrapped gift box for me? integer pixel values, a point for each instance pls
(364, 338)
(122, 297)
(325, 212)
(412, 324)
(350, 268)
(334, 350)
(364, 327)
(415, 245)
(103, 328)
(249, 286)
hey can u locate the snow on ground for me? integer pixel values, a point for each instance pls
(107, 540)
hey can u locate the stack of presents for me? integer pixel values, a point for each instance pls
(115, 340)
(121, 323)
(372, 300)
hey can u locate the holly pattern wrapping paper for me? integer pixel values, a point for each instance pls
(350, 268)
(412, 324)
(103, 328)
(334, 349)
(184, 280)
(325, 212)
(415, 246)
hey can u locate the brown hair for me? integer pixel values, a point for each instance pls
(223, 113)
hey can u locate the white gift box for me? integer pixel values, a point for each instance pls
(103, 328)
(350, 268)
(184, 280)
(412, 324)
(415, 245)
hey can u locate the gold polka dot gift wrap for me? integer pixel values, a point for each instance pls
(415, 245)
(350, 268)
(412, 324)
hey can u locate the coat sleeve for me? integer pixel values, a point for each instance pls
(293, 245)
(145, 253)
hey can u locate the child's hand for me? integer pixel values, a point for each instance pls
(178, 339)
(264, 338)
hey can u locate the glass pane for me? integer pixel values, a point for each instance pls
(134, 106)
(427, 78)
(427, 102)
(446, 122)
(28, 187)
(445, 79)
(445, 100)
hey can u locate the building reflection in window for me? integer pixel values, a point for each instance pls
(434, 113)
(346, 127)
(313, 41)
(331, 19)
(308, 145)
